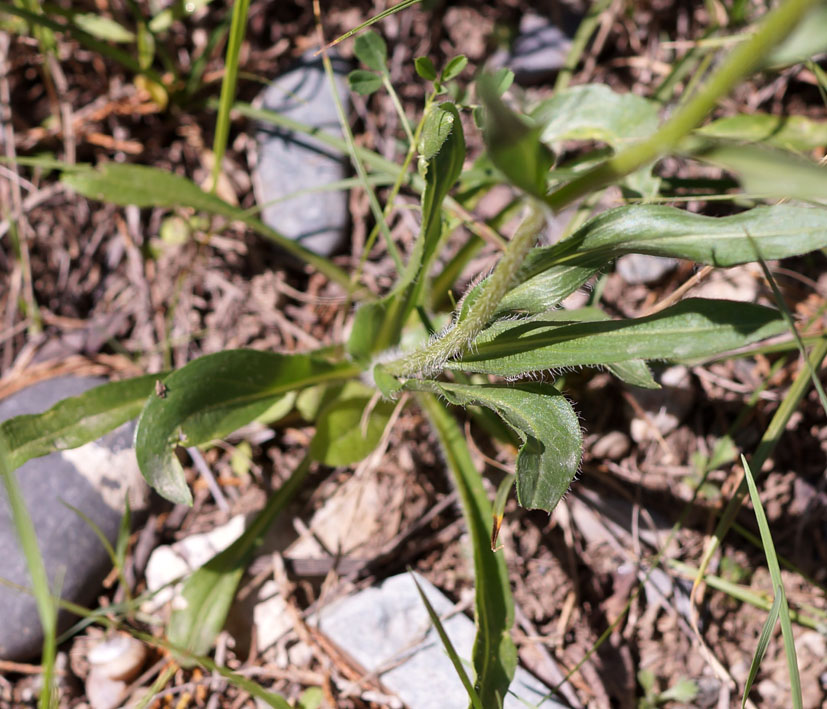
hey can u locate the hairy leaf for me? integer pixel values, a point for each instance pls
(545, 422)
(551, 273)
(213, 396)
(594, 112)
(692, 329)
(77, 420)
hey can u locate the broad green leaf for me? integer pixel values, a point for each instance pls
(425, 68)
(209, 592)
(692, 329)
(551, 273)
(341, 438)
(796, 133)
(595, 112)
(494, 654)
(545, 422)
(145, 186)
(454, 68)
(371, 50)
(77, 420)
(364, 82)
(513, 142)
(378, 326)
(213, 396)
(768, 173)
(102, 27)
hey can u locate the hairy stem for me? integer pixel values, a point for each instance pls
(430, 359)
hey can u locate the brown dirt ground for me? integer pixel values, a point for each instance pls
(110, 305)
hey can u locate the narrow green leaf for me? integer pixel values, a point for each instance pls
(47, 607)
(545, 422)
(364, 82)
(796, 133)
(371, 50)
(213, 396)
(766, 172)
(102, 27)
(761, 647)
(503, 78)
(77, 420)
(238, 28)
(454, 68)
(448, 646)
(209, 592)
(494, 653)
(425, 68)
(340, 437)
(551, 273)
(807, 40)
(692, 329)
(777, 585)
(145, 186)
(513, 143)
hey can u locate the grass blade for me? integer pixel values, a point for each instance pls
(448, 646)
(228, 86)
(46, 606)
(778, 587)
(494, 654)
(761, 648)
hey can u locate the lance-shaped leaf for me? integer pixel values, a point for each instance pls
(545, 422)
(633, 371)
(764, 171)
(378, 325)
(77, 420)
(551, 273)
(145, 186)
(796, 133)
(692, 329)
(213, 396)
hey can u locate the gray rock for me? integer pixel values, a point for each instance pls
(538, 51)
(93, 478)
(637, 269)
(388, 626)
(288, 162)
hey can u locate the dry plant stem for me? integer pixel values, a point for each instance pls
(430, 359)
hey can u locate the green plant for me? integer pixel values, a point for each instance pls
(505, 339)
